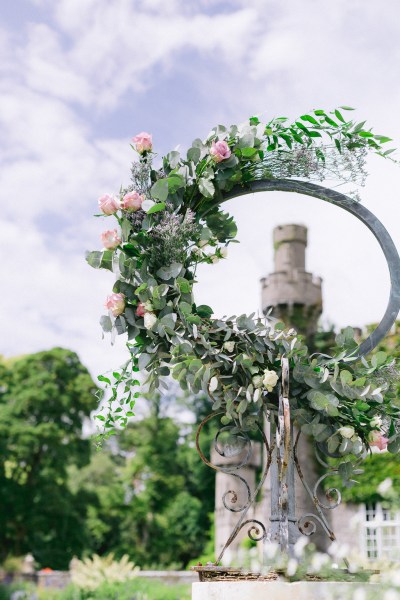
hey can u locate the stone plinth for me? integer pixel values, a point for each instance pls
(277, 590)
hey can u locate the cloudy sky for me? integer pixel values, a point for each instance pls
(80, 77)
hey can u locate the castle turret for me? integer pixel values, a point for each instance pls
(291, 293)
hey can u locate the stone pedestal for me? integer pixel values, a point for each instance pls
(278, 590)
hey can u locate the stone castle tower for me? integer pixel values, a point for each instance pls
(294, 296)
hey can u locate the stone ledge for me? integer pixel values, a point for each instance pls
(276, 590)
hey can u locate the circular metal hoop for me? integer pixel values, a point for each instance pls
(366, 217)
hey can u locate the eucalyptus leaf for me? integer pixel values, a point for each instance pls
(170, 272)
(206, 187)
(120, 325)
(144, 360)
(106, 323)
(194, 154)
(159, 190)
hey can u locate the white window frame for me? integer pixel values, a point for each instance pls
(375, 540)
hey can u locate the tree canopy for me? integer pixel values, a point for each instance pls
(44, 399)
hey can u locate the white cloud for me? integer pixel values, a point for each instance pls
(101, 50)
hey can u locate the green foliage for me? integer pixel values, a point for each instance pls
(150, 497)
(137, 589)
(45, 397)
(375, 469)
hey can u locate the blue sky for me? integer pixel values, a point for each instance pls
(80, 77)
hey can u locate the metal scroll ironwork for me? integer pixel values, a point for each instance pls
(257, 530)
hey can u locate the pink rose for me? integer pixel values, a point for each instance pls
(143, 142)
(108, 204)
(132, 201)
(220, 151)
(116, 304)
(141, 310)
(110, 239)
(375, 438)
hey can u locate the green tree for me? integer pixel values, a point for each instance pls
(153, 496)
(44, 399)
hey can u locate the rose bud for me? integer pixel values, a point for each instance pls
(108, 204)
(143, 142)
(132, 201)
(375, 438)
(116, 304)
(220, 151)
(110, 239)
(141, 309)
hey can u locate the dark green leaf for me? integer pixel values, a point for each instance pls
(331, 121)
(338, 145)
(339, 116)
(204, 311)
(310, 119)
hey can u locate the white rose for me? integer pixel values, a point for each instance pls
(270, 379)
(376, 422)
(214, 259)
(224, 252)
(346, 432)
(203, 244)
(229, 346)
(150, 320)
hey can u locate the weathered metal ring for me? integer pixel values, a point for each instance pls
(366, 217)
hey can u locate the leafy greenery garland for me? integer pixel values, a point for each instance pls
(170, 220)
